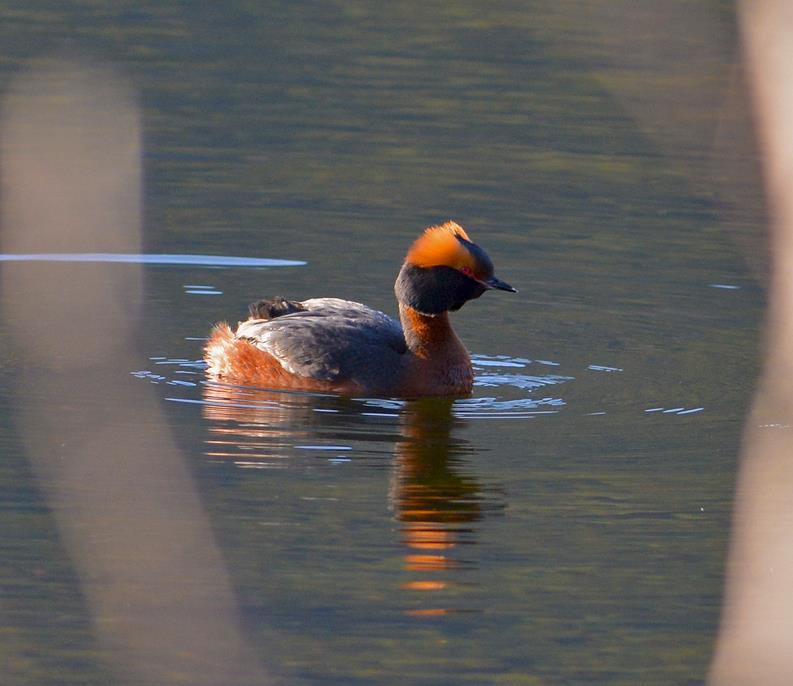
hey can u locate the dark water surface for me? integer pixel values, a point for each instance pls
(567, 523)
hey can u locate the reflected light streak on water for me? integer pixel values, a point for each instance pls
(143, 258)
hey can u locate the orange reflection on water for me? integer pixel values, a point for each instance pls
(417, 536)
(428, 612)
(423, 563)
(253, 424)
(424, 585)
(432, 500)
(254, 412)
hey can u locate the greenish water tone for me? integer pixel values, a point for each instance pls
(565, 525)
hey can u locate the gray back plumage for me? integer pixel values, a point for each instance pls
(333, 340)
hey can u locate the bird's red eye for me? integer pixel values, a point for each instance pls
(467, 271)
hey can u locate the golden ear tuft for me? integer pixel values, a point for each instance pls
(438, 246)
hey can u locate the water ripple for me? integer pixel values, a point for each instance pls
(511, 393)
(521, 381)
(148, 258)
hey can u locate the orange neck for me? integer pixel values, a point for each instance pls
(427, 334)
(440, 363)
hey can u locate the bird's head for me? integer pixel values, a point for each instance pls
(444, 269)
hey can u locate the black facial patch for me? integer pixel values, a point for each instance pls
(435, 289)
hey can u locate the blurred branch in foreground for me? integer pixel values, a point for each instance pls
(755, 643)
(122, 496)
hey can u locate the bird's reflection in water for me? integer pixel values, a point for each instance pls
(257, 427)
(436, 503)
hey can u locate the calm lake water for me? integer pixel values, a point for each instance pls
(568, 523)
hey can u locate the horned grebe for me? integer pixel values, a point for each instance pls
(338, 345)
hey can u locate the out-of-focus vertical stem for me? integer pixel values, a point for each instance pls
(120, 491)
(755, 643)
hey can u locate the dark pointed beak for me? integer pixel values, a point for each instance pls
(493, 282)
